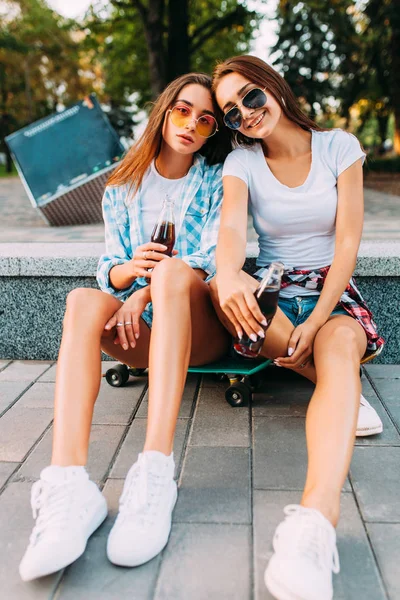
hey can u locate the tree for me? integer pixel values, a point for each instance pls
(171, 37)
(314, 37)
(40, 65)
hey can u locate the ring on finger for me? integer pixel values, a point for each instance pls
(128, 323)
(120, 324)
(302, 365)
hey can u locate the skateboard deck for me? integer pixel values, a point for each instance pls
(238, 366)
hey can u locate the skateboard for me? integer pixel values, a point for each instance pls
(242, 373)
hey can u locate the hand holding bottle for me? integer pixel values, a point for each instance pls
(146, 258)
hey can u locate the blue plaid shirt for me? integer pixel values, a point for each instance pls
(197, 229)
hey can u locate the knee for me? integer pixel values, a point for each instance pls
(171, 275)
(81, 305)
(342, 340)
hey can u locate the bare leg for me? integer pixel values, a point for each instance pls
(79, 371)
(332, 414)
(186, 330)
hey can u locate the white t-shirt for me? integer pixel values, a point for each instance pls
(155, 188)
(296, 225)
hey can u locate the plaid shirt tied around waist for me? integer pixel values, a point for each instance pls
(351, 300)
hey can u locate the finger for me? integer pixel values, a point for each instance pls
(293, 341)
(143, 273)
(254, 307)
(175, 252)
(146, 264)
(122, 336)
(154, 246)
(111, 323)
(248, 322)
(156, 256)
(232, 318)
(295, 361)
(130, 334)
(136, 327)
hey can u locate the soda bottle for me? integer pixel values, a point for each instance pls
(164, 230)
(267, 295)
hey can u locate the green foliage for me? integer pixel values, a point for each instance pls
(118, 35)
(39, 64)
(385, 165)
(315, 38)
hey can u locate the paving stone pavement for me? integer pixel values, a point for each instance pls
(21, 222)
(236, 467)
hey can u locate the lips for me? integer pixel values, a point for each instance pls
(186, 137)
(256, 121)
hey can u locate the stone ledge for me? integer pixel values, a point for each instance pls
(379, 259)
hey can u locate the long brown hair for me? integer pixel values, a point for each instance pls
(259, 72)
(139, 157)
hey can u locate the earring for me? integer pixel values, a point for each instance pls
(283, 101)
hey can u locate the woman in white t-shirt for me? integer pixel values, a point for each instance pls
(305, 191)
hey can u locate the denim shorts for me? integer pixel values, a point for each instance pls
(299, 308)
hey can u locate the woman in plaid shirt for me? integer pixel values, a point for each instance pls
(304, 188)
(140, 324)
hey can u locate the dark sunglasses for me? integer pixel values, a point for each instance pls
(255, 98)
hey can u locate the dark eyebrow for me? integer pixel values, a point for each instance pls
(240, 92)
(204, 112)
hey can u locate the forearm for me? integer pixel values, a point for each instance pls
(121, 276)
(337, 279)
(231, 251)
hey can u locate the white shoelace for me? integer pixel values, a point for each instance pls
(142, 493)
(312, 539)
(51, 505)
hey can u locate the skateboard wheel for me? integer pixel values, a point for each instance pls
(135, 372)
(117, 376)
(238, 394)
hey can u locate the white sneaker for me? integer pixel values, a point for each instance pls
(305, 556)
(369, 422)
(69, 508)
(143, 524)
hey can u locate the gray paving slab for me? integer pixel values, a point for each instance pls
(93, 577)
(215, 486)
(16, 524)
(20, 428)
(358, 577)
(4, 363)
(386, 543)
(116, 405)
(103, 443)
(6, 468)
(216, 423)
(280, 454)
(186, 407)
(390, 435)
(49, 376)
(24, 370)
(389, 390)
(113, 405)
(383, 371)
(206, 562)
(277, 399)
(9, 391)
(133, 444)
(375, 477)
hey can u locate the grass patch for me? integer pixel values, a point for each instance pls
(3, 172)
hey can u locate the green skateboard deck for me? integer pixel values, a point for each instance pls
(237, 366)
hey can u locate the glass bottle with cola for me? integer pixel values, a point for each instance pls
(164, 230)
(267, 295)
